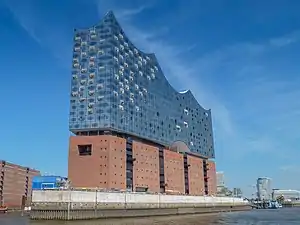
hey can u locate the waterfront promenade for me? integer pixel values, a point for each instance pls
(287, 216)
(81, 205)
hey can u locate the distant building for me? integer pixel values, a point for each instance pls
(49, 182)
(287, 194)
(264, 190)
(224, 191)
(15, 184)
(221, 188)
(237, 192)
(220, 179)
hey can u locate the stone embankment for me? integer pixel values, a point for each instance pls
(79, 205)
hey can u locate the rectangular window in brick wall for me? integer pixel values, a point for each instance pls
(85, 150)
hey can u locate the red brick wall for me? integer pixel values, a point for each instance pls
(146, 166)
(174, 172)
(212, 178)
(196, 175)
(15, 184)
(104, 168)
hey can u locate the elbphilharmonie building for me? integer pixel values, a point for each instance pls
(131, 129)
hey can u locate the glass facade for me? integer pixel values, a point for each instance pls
(117, 87)
(264, 190)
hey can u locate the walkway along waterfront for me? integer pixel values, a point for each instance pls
(77, 205)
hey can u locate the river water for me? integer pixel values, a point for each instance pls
(288, 216)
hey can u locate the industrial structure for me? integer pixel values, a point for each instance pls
(132, 130)
(292, 195)
(15, 184)
(49, 182)
(264, 189)
(237, 192)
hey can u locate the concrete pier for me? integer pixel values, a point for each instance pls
(80, 205)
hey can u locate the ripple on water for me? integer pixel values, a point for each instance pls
(255, 217)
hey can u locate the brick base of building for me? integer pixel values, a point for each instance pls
(110, 162)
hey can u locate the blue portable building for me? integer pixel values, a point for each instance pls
(48, 182)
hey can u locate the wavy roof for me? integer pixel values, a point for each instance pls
(111, 15)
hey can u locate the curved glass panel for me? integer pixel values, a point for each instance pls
(115, 86)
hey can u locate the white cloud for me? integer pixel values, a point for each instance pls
(130, 12)
(179, 71)
(286, 40)
(27, 22)
(291, 168)
(51, 37)
(270, 106)
(255, 105)
(124, 10)
(240, 59)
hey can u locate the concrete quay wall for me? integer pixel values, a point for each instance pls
(68, 205)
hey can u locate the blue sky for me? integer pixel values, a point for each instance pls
(239, 58)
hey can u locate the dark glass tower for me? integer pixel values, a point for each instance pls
(118, 88)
